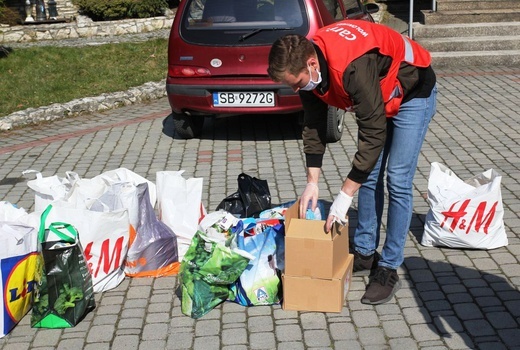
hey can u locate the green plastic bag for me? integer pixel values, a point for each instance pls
(207, 272)
(63, 293)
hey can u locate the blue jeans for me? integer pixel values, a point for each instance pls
(405, 135)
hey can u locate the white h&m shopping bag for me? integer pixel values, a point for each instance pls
(464, 214)
(104, 237)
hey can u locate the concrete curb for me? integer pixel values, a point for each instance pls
(146, 92)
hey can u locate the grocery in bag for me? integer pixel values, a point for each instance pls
(210, 266)
(63, 293)
(253, 196)
(18, 260)
(260, 283)
(464, 214)
(154, 250)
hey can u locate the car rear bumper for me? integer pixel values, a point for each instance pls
(198, 99)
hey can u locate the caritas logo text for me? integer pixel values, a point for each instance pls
(18, 284)
(464, 217)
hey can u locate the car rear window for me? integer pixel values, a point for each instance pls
(242, 22)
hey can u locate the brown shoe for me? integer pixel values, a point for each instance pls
(382, 286)
(364, 265)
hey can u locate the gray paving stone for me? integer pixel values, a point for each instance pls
(371, 337)
(47, 337)
(313, 320)
(126, 342)
(342, 331)
(260, 324)
(396, 329)
(290, 346)
(203, 343)
(155, 331)
(207, 327)
(71, 344)
(366, 318)
(403, 343)
(317, 338)
(180, 341)
(152, 344)
(264, 340)
(288, 333)
(234, 336)
(98, 334)
(97, 346)
(136, 323)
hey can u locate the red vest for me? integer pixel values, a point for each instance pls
(344, 41)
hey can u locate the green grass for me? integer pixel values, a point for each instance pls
(40, 76)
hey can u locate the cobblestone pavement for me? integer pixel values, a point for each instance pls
(450, 299)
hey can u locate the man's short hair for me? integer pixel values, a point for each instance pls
(289, 54)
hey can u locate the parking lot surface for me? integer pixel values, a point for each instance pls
(451, 298)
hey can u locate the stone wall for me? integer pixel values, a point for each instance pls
(82, 27)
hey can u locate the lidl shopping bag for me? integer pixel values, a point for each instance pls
(154, 250)
(260, 283)
(179, 201)
(104, 238)
(464, 214)
(18, 260)
(208, 269)
(63, 291)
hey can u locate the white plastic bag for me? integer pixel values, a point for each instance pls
(48, 189)
(464, 214)
(179, 204)
(9, 212)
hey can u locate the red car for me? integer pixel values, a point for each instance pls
(217, 57)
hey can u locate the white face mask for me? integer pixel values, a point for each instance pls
(311, 85)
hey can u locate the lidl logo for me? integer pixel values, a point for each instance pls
(18, 279)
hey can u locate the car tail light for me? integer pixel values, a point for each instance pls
(188, 71)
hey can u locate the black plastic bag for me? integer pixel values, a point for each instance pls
(252, 197)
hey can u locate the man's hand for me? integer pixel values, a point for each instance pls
(338, 210)
(310, 194)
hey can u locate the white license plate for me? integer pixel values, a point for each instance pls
(243, 99)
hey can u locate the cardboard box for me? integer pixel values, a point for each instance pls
(311, 252)
(316, 294)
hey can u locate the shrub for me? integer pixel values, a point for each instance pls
(8, 15)
(104, 10)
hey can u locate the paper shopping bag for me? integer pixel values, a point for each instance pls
(18, 257)
(63, 292)
(464, 214)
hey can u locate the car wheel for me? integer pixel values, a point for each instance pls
(187, 126)
(335, 119)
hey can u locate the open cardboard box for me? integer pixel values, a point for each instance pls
(316, 294)
(311, 252)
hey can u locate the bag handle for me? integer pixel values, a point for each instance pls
(66, 232)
